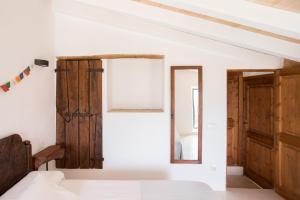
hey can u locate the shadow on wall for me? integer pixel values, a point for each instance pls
(93, 174)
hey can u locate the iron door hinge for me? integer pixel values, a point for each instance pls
(62, 70)
(96, 70)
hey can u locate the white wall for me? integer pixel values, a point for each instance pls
(135, 83)
(141, 141)
(25, 34)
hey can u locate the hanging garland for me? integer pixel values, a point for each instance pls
(8, 85)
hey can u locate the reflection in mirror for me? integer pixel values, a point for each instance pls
(186, 136)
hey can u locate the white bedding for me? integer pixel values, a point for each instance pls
(40, 186)
(104, 189)
(53, 186)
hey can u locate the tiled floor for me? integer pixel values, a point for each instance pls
(179, 190)
(248, 194)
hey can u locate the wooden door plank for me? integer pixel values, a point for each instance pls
(61, 107)
(96, 110)
(72, 140)
(60, 137)
(92, 132)
(84, 116)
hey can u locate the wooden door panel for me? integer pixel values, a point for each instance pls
(289, 170)
(60, 137)
(72, 140)
(79, 113)
(260, 109)
(61, 106)
(61, 92)
(290, 105)
(287, 173)
(259, 162)
(96, 111)
(231, 141)
(259, 131)
(84, 117)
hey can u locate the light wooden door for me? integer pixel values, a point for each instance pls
(79, 113)
(232, 118)
(258, 127)
(288, 133)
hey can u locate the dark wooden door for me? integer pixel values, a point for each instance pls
(259, 129)
(79, 113)
(288, 133)
(232, 117)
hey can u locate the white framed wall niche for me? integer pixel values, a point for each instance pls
(135, 85)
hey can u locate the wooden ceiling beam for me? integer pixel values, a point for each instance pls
(290, 63)
(111, 56)
(289, 5)
(218, 20)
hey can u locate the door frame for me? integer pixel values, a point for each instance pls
(236, 78)
(242, 137)
(241, 146)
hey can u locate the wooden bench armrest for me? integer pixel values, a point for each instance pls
(50, 153)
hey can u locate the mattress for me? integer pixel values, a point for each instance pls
(53, 185)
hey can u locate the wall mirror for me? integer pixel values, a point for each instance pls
(186, 114)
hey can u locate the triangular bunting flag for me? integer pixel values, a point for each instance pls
(7, 86)
(4, 88)
(27, 71)
(21, 76)
(18, 79)
(13, 82)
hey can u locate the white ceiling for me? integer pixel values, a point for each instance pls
(241, 12)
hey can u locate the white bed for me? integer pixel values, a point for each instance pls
(52, 185)
(19, 182)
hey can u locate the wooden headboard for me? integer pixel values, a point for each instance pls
(15, 161)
